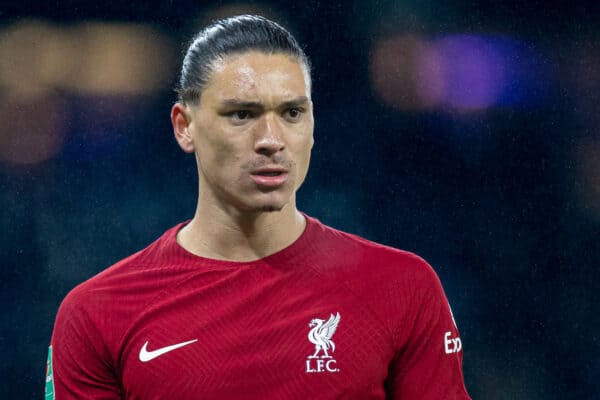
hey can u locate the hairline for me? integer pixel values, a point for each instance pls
(224, 58)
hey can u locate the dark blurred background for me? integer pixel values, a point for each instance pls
(467, 132)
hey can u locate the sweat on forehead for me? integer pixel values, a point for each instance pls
(228, 37)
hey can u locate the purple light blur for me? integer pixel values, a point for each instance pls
(463, 71)
(429, 79)
(457, 72)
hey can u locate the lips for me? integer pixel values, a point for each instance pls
(269, 177)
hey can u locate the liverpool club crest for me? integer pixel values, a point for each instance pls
(321, 334)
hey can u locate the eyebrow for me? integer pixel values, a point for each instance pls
(237, 103)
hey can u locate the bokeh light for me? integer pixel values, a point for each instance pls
(396, 73)
(117, 58)
(91, 57)
(453, 72)
(27, 56)
(472, 71)
(32, 129)
(44, 67)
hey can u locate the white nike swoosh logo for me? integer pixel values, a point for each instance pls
(146, 355)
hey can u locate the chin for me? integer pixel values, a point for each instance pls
(270, 203)
(265, 202)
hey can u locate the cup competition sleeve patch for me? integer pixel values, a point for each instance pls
(49, 377)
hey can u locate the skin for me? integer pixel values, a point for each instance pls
(254, 119)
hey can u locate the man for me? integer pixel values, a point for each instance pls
(252, 299)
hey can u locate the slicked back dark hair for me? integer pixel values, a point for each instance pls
(230, 36)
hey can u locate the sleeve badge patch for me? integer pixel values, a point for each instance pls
(49, 377)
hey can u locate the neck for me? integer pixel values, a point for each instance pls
(234, 235)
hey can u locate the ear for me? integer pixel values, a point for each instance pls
(181, 119)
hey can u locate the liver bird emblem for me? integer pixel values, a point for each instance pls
(321, 333)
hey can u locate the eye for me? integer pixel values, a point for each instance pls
(240, 115)
(294, 113)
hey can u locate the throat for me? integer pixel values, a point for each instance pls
(241, 241)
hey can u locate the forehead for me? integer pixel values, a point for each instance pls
(257, 76)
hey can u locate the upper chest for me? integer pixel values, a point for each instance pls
(263, 333)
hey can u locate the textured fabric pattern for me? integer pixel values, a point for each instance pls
(243, 327)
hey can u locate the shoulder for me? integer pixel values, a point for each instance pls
(357, 254)
(118, 291)
(396, 285)
(388, 278)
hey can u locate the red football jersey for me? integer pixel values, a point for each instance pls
(333, 316)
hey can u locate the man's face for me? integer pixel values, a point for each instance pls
(252, 132)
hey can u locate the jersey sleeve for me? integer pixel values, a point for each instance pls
(81, 365)
(428, 362)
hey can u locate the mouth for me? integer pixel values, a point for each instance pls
(269, 177)
(269, 173)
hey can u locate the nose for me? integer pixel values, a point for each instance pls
(269, 135)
